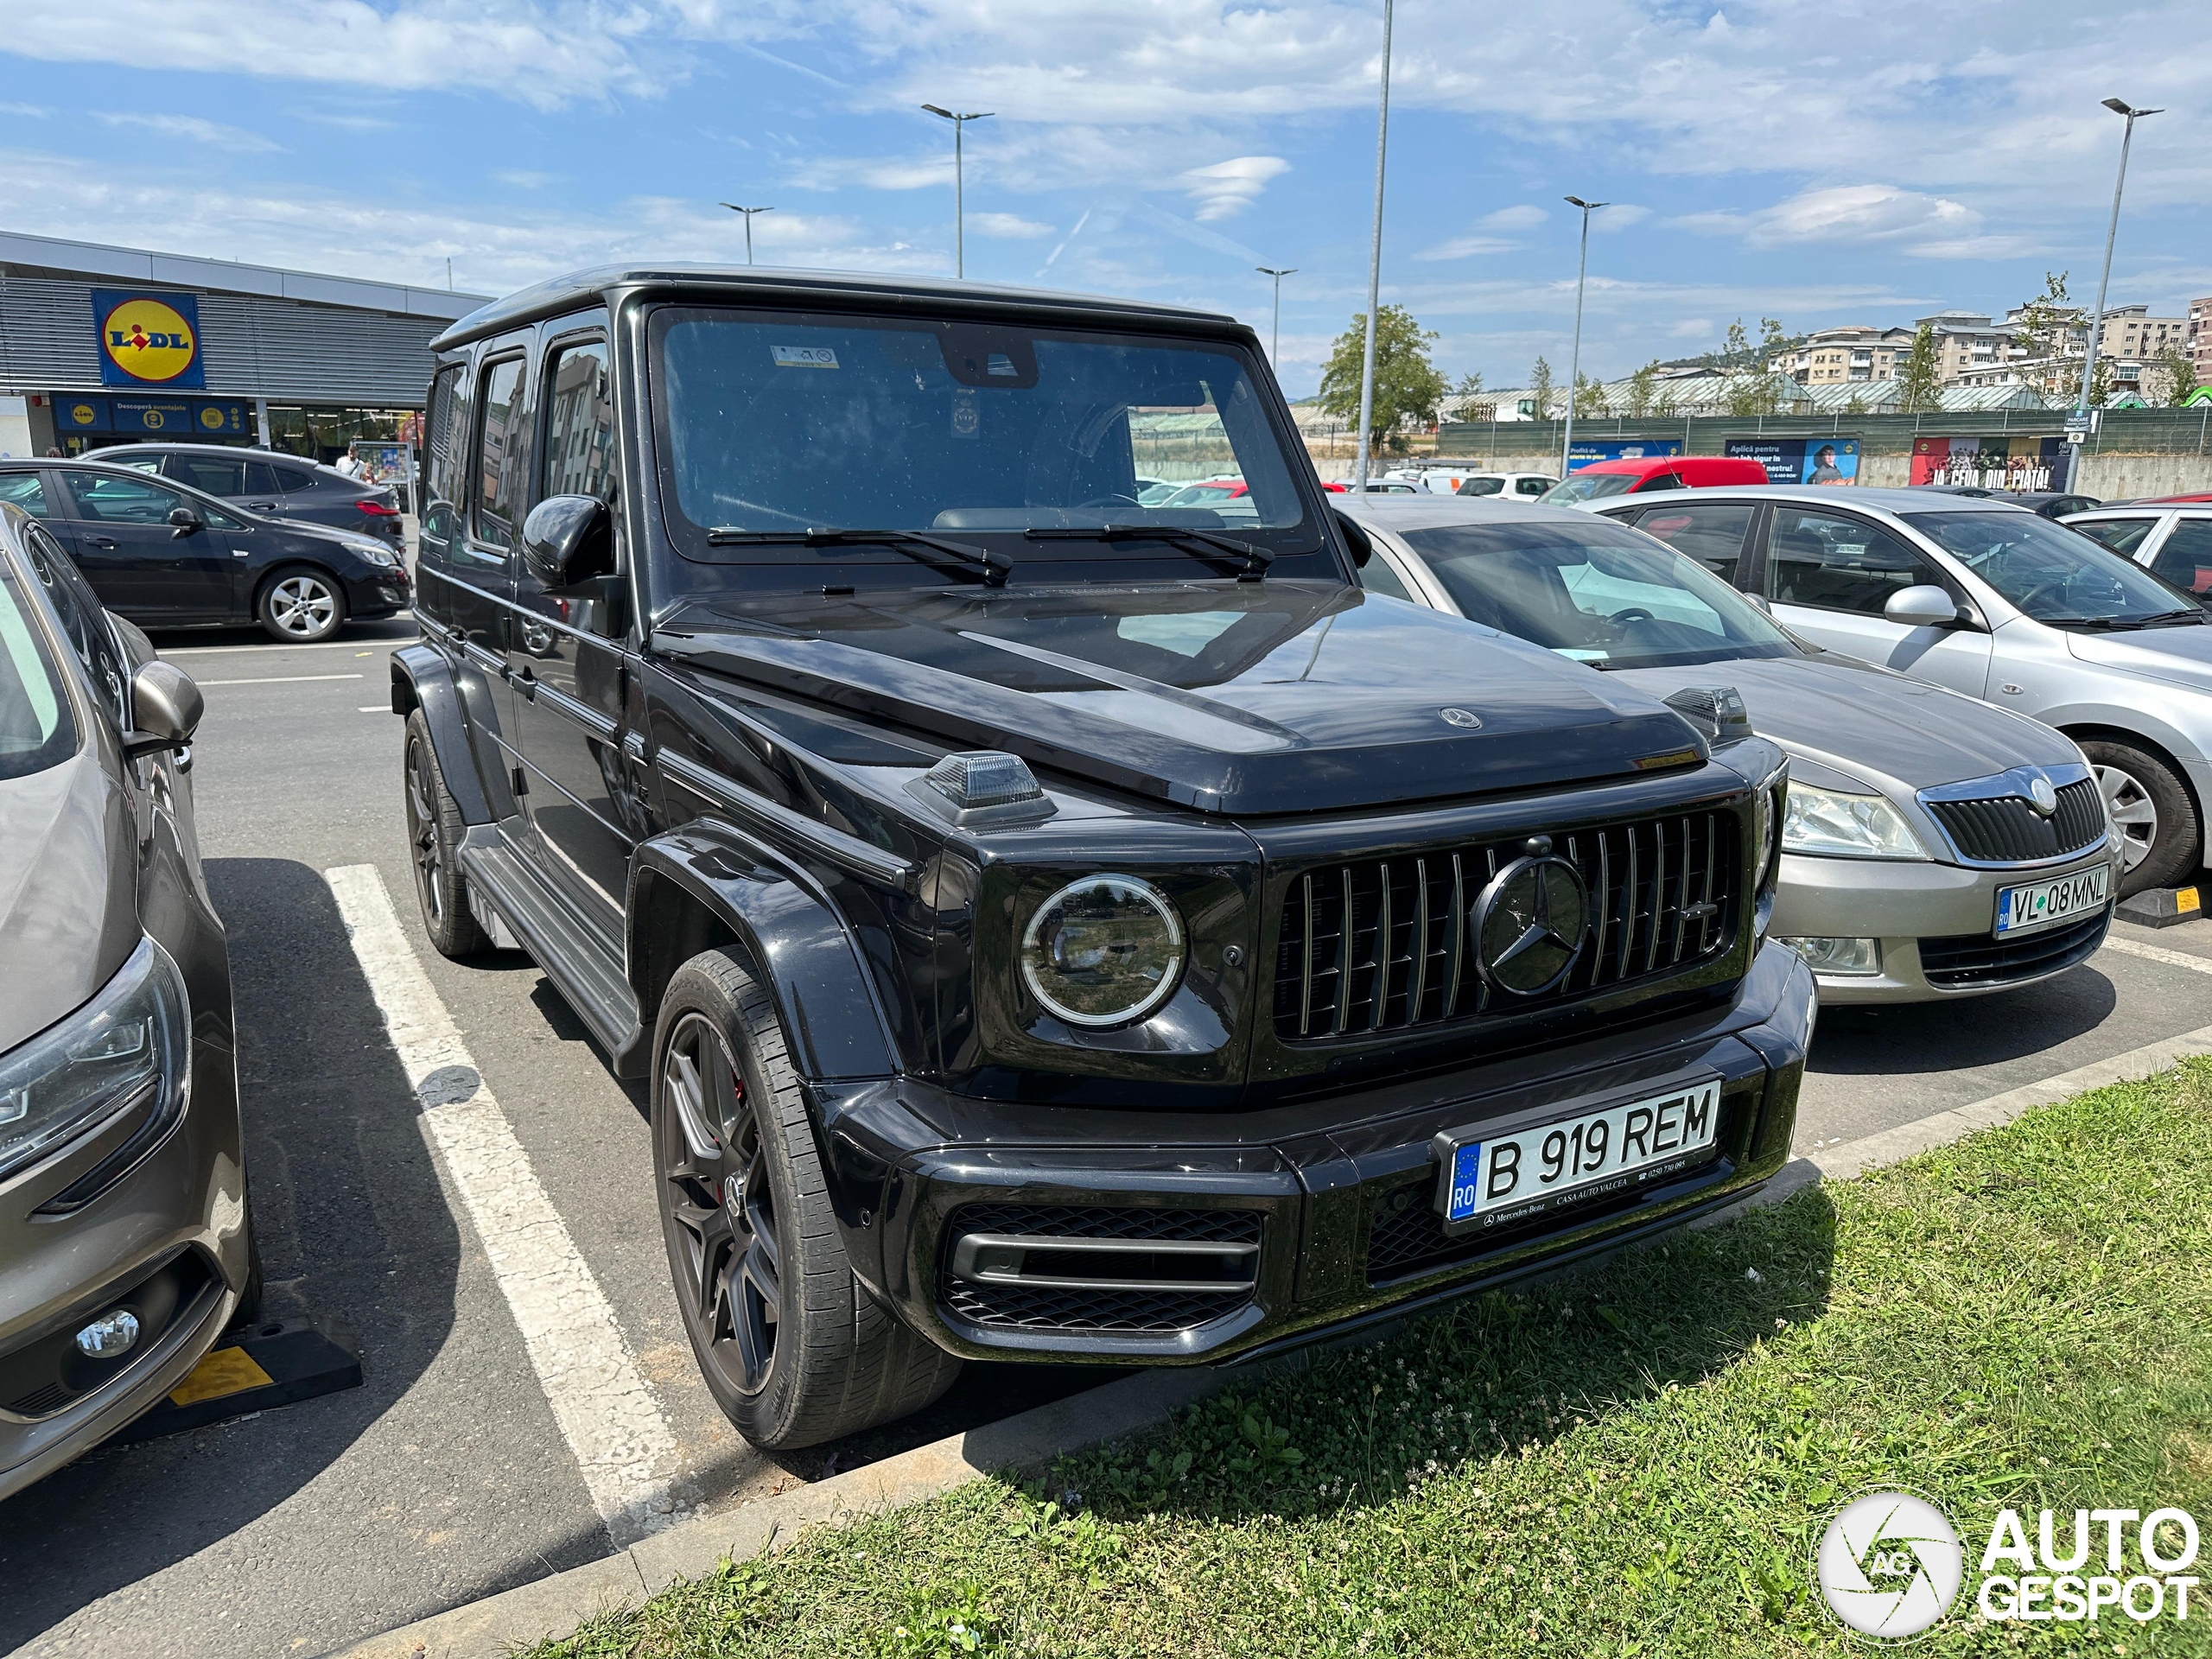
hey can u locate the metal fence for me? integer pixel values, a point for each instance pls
(2119, 431)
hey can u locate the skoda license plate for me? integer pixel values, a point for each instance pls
(2047, 904)
(1509, 1177)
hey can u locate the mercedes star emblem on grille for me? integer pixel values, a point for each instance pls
(1460, 717)
(1530, 923)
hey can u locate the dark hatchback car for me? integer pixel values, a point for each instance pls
(2048, 503)
(1053, 927)
(123, 1245)
(281, 486)
(167, 556)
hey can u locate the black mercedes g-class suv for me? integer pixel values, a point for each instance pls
(1053, 927)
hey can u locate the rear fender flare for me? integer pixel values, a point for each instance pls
(420, 678)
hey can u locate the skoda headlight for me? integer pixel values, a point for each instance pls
(1103, 950)
(128, 1047)
(1836, 825)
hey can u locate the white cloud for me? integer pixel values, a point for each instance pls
(1229, 187)
(1466, 246)
(1857, 214)
(1518, 217)
(189, 128)
(1009, 226)
(523, 178)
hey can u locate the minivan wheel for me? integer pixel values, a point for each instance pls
(2160, 837)
(792, 1345)
(300, 607)
(434, 831)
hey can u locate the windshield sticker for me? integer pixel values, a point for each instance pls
(1580, 654)
(804, 357)
(965, 413)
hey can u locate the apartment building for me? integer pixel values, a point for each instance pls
(2197, 341)
(1853, 352)
(1968, 342)
(2130, 333)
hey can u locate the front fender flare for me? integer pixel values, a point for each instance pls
(422, 679)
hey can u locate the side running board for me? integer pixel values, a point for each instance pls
(571, 953)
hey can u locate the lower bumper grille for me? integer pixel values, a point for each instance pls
(1133, 1269)
(1977, 960)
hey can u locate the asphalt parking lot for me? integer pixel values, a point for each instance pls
(453, 1472)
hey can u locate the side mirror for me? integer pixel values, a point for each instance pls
(1925, 606)
(183, 521)
(1759, 601)
(1361, 549)
(165, 708)
(568, 539)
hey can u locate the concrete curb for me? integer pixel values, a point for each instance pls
(553, 1606)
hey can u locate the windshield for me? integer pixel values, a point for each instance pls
(1589, 486)
(774, 423)
(1601, 594)
(2052, 574)
(35, 730)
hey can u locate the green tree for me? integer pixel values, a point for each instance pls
(1773, 343)
(1543, 388)
(1406, 385)
(1461, 405)
(1641, 388)
(2100, 386)
(1750, 389)
(2050, 332)
(1589, 398)
(1919, 383)
(2178, 370)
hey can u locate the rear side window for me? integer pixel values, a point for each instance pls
(216, 474)
(502, 453)
(1835, 563)
(1531, 486)
(289, 479)
(445, 467)
(260, 478)
(2186, 559)
(580, 422)
(2121, 535)
(1711, 532)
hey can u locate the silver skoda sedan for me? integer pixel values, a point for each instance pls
(1933, 846)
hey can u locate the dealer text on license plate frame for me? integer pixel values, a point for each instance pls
(1488, 1178)
(2051, 902)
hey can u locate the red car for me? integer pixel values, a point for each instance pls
(1606, 478)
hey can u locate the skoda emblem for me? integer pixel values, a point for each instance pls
(1528, 925)
(1460, 717)
(2044, 797)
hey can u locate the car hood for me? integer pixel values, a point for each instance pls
(1233, 697)
(2181, 655)
(1861, 719)
(68, 900)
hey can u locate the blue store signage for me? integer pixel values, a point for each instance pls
(170, 417)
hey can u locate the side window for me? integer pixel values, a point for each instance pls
(1834, 563)
(1377, 577)
(289, 479)
(215, 475)
(1660, 482)
(141, 464)
(261, 478)
(111, 500)
(83, 622)
(1530, 485)
(501, 453)
(27, 490)
(2186, 559)
(2121, 535)
(445, 467)
(579, 389)
(1710, 533)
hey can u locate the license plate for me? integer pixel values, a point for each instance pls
(2047, 904)
(1506, 1177)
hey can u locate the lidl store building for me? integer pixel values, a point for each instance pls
(102, 345)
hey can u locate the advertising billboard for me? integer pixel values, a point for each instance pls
(1586, 450)
(148, 340)
(2026, 464)
(1801, 461)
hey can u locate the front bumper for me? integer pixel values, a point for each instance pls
(381, 593)
(1336, 1192)
(1903, 903)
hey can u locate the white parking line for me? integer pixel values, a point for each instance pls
(281, 679)
(607, 1411)
(2159, 953)
(354, 646)
(372, 708)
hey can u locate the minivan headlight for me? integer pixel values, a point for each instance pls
(1835, 825)
(130, 1046)
(1103, 950)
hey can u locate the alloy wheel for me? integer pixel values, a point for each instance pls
(427, 856)
(729, 1249)
(2134, 813)
(303, 606)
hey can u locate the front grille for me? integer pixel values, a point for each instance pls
(1086, 1221)
(1100, 1307)
(2006, 830)
(1383, 945)
(1976, 959)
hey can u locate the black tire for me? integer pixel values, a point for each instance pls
(434, 832)
(2151, 808)
(792, 1345)
(301, 604)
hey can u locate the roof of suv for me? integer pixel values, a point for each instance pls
(561, 293)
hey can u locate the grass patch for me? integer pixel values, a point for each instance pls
(1632, 1462)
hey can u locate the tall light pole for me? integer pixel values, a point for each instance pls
(1374, 264)
(1574, 358)
(959, 185)
(748, 212)
(1274, 347)
(2118, 106)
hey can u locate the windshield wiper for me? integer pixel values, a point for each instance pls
(2119, 624)
(949, 555)
(1252, 561)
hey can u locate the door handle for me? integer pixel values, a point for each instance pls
(262, 506)
(107, 542)
(527, 682)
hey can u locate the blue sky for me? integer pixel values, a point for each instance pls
(1841, 163)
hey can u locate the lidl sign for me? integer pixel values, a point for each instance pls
(176, 418)
(148, 340)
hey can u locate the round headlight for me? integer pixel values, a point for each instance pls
(1103, 950)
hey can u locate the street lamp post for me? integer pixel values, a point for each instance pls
(1374, 265)
(2118, 106)
(748, 212)
(959, 185)
(1574, 358)
(1274, 347)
